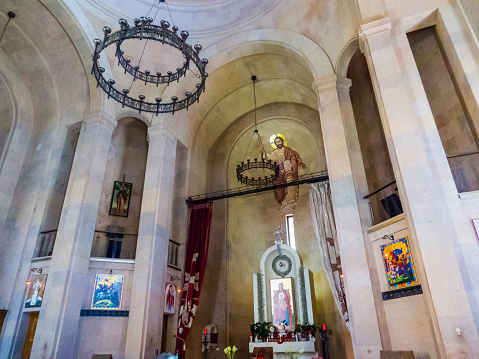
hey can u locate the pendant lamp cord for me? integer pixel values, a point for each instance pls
(260, 144)
(11, 15)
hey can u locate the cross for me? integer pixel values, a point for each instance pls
(278, 233)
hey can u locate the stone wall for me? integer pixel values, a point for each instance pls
(127, 157)
(377, 163)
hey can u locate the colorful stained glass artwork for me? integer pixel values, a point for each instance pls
(398, 264)
(108, 291)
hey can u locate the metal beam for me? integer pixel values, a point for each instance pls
(241, 191)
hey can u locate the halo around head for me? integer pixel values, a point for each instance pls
(274, 135)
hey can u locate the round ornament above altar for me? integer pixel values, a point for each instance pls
(282, 265)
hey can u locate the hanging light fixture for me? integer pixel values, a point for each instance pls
(244, 171)
(11, 15)
(145, 29)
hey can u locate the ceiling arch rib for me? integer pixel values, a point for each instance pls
(231, 71)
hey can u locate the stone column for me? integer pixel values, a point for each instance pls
(371, 10)
(362, 311)
(148, 290)
(57, 327)
(441, 234)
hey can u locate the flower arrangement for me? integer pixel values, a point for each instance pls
(293, 355)
(230, 352)
(261, 330)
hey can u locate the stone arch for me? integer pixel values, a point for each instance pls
(317, 59)
(133, 113)
(342, 64)
(69, 15)
(19, 135)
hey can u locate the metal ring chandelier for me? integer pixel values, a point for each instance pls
(243, 168)
(145, 29)
(260, 181)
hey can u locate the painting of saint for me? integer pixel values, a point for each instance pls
(108, 291)
(170, 297)
(35, 291)
(282, 302)
(289, 161)
(120, 199)
(398, 265)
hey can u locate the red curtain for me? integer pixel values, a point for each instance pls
(195, 264)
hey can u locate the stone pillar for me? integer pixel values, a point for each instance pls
(57, 327)
(441, 234)
(148, 290)
(371, 10)
(364, 324)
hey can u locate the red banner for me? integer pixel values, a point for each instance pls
(195, 265)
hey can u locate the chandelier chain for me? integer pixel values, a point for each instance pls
(243, 169)
(171, 17)
(250, 140)
(146, 43)
(254, 95)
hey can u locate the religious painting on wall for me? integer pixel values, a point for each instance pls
(289, 162)
(282, 302)
(170, 297)
(398, 264)
(35, 290)
(108, 291)
(120, 199)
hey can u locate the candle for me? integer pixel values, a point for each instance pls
(324, 326)
(205, 331)
(251, 337)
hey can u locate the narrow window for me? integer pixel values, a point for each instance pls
(290, 231)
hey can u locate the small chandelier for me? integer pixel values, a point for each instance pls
(244, 169)
(144, 28)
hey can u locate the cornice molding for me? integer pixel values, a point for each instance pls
(381, 26)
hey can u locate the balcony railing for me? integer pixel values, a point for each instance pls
(45, 243)
(384, 203)
(108, 244)
(173, 254)
(465, 169)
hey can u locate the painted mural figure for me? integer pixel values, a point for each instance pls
(289, 161)
(108, 291)
(36, 288)
(282, 311)
(170, 298)
(35, 291)
(121, 198)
